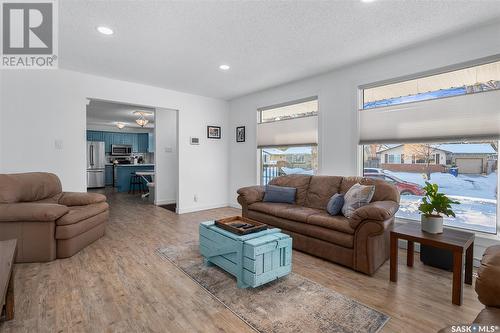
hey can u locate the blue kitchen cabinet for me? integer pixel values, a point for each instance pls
(151, 142)
(143, 142)
(124, 172)
(108, 175)
(138, 141)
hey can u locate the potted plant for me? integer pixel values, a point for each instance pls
(434, 205)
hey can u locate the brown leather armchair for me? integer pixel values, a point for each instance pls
(47, 222)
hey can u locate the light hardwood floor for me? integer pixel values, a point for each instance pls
(118, 284)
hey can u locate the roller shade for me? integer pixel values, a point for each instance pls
(466, 116)
(290, 132)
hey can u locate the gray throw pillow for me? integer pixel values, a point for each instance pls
(335, 204)
(279, 194)
(357, 196)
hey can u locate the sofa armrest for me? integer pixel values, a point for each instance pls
(80, 198)
(251, 194)
(488, 277)
(375, 211)
(29, 211)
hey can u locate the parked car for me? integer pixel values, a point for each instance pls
(404, 187)
(373, 170)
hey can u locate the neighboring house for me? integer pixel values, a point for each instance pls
(475, 158)
(293, 157)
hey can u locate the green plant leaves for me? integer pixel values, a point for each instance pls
(435, 203)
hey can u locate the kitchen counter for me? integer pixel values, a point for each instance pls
(135, 165)
(123, 172)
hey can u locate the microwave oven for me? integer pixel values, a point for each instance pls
(121, 150)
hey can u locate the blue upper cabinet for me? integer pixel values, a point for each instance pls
(143, 142)
(138, 141)
(151, 142)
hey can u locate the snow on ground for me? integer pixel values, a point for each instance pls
(473, 186)
(476, 193)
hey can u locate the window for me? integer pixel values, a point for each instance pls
(287, 138)
(466, 172)
(454, 83)
(280, 161)
(306, 108)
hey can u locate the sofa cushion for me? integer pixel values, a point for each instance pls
(300, 182)
(321, 189)
(72, 230)
(80, 213)
(286, 211)
(80, 198)
(325, 220)
(27, 187)
(280, 194)
(335, 204)
(268, 207)
(296, 213)
(357, 196)
(336, 237)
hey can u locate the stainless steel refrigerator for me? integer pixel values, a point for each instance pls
(95, 164)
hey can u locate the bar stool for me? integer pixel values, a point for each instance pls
(135, 184)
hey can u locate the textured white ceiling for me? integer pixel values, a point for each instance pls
(179, 45)
(109, 113)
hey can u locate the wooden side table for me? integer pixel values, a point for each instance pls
(7, 257)
(456, 241)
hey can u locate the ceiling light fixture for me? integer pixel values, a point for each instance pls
(367, 1)
(142, 121)
(224, 67)
(105, 30)
(120, 125)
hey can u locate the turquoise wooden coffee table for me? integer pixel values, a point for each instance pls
(254, 259)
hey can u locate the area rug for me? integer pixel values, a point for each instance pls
(290, 304)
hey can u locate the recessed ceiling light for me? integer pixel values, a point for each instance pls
(366, 1)
(105, 30)
(224, 67)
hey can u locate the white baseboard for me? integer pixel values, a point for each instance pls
(199, 208)
(164, 202)
(235, 205)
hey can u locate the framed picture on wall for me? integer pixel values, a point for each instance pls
(213, 132)
(240, 134)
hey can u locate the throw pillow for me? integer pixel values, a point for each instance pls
(335, 204)
(279, 194)
(357, 196)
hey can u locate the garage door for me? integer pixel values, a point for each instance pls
(469, 165)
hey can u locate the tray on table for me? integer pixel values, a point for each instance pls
(231, 224)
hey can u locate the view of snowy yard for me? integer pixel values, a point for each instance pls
(476, 194)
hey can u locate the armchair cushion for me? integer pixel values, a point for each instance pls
(252, 194)
(80, 213)
(80, 198)
(38, 212)
(375, 211)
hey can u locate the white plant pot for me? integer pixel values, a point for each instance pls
(432, 224)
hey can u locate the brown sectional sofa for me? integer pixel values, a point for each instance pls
(47, 222)
(360, 242)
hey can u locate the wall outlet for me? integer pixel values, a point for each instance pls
(168, 149)
(195, 198)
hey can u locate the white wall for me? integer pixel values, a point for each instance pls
(41, 106)
(337, 93)
(166, 156)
